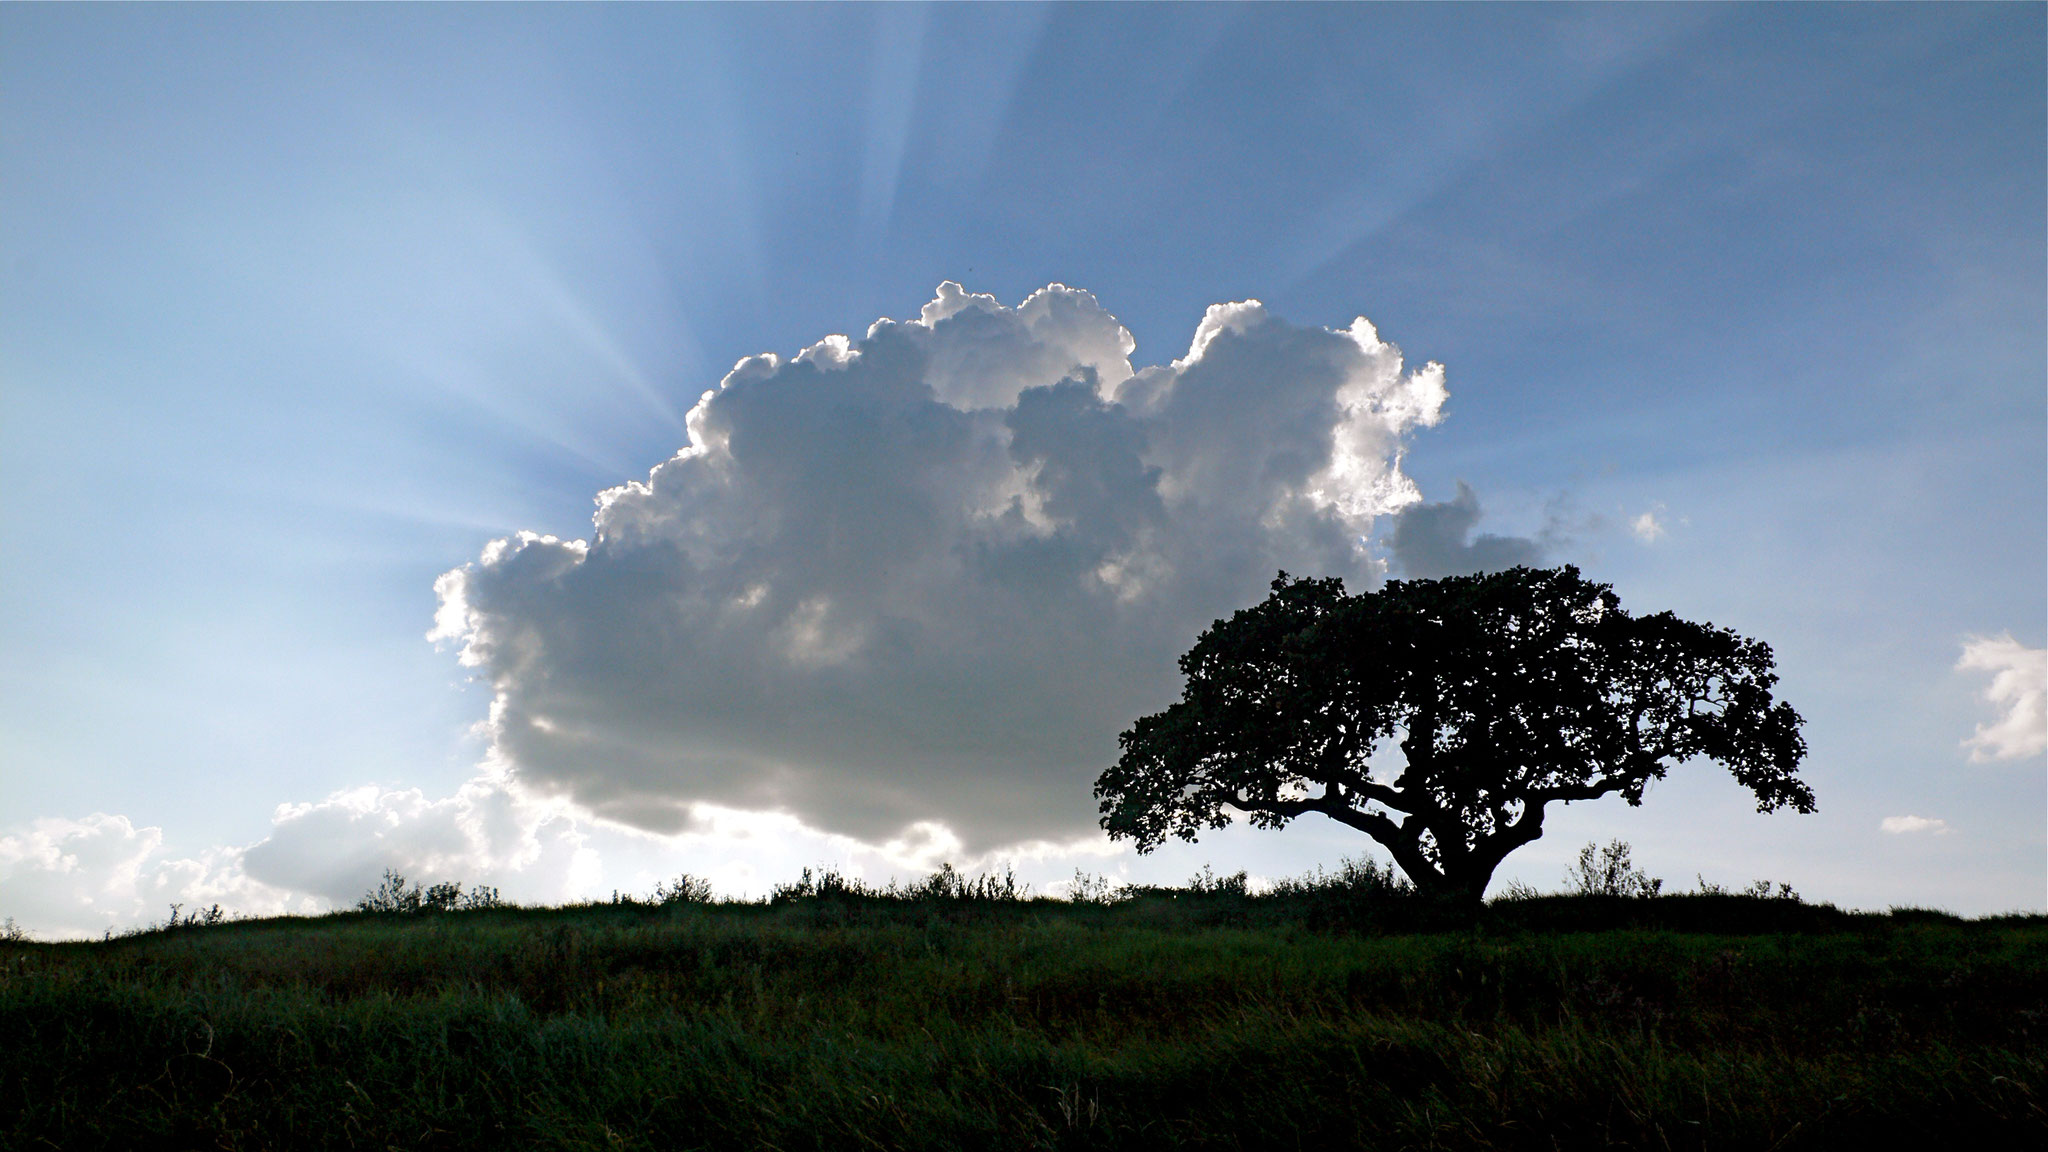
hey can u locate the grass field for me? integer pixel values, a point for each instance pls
(1309, 1018)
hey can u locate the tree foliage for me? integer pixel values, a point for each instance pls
(1441, 717)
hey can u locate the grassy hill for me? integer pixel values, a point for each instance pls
(837, 1018)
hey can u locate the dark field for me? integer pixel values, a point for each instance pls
(1197, 1019)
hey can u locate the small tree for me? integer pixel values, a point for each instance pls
(1502, 693)
(391, 895)
(685, 889)
(1609, 872)
(442, 897)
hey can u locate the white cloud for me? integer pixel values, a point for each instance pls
(1648, 527)
(927, 576)
(1907, 825)
(2019, 688)
(80, 877)
(73, 878)
(339, 847)
(536, 849)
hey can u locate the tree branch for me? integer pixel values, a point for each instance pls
(1605, 786)
(1405, 843)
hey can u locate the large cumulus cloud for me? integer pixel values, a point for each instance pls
(928, 575)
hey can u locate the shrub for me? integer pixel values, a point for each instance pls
(203, 918)
(1207, 883)
(1608, 872)
(1758, 890)
(392, 895)
(684, 889)
(481, 896)
(1093, 888)
(1361, 877)
(825, 885)
(947, 884)
(1516, 890)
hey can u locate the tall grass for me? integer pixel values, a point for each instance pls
(963, 1014)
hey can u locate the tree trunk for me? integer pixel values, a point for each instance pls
(1460, 891)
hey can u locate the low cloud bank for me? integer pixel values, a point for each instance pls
(2018, 688)
(68, 878)
(338, 848)
(920, 580)
(79, 878)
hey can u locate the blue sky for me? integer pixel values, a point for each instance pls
(305, 306)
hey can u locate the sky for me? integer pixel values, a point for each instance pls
(562, 447)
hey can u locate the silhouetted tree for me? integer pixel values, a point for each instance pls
(1508, 691)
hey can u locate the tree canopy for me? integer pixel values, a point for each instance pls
(1441, 717)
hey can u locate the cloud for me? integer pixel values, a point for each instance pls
(928, 575)
(338, 848)
(535, 849)
(2019, 687)
(1907, 825)
(65, 877)
(1647, 527)
(78, 878)
(1434, 540)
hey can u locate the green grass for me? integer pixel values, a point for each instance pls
(1190, 1019)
